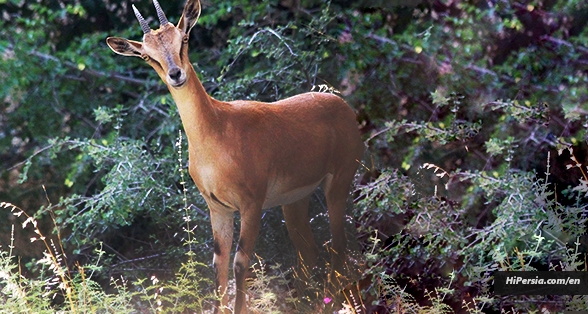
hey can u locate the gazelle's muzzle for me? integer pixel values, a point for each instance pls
(176, 77)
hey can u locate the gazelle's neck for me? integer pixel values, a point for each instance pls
(197, 111)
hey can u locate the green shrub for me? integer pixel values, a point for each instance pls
(474, 113)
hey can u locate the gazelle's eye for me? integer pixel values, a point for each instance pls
(145, 57)
(185, 39)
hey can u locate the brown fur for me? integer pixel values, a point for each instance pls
(245, 155)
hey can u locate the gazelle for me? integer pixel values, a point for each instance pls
(247, 156)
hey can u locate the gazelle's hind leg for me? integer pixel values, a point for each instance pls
(336, 190)
(298, 225)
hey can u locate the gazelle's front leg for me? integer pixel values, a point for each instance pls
(250, 223)
(222, 231)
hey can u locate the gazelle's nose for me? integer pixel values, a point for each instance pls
(176, 77)
(174, 73)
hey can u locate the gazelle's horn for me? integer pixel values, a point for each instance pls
(144, 26)
(162, 19)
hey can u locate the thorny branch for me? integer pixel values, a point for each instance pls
(88, 71)
(480, 70)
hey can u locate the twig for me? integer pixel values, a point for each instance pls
(199, 210)
(241, 51)
(69, 142)
(476, 68)
(86, 70)
(384, 130)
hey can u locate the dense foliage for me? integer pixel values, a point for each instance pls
(474, 112)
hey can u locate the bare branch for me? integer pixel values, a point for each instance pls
(86, 70)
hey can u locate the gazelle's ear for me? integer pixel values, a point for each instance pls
(190, 15)
(125, 47)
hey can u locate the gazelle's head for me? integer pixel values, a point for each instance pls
(165, 49)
